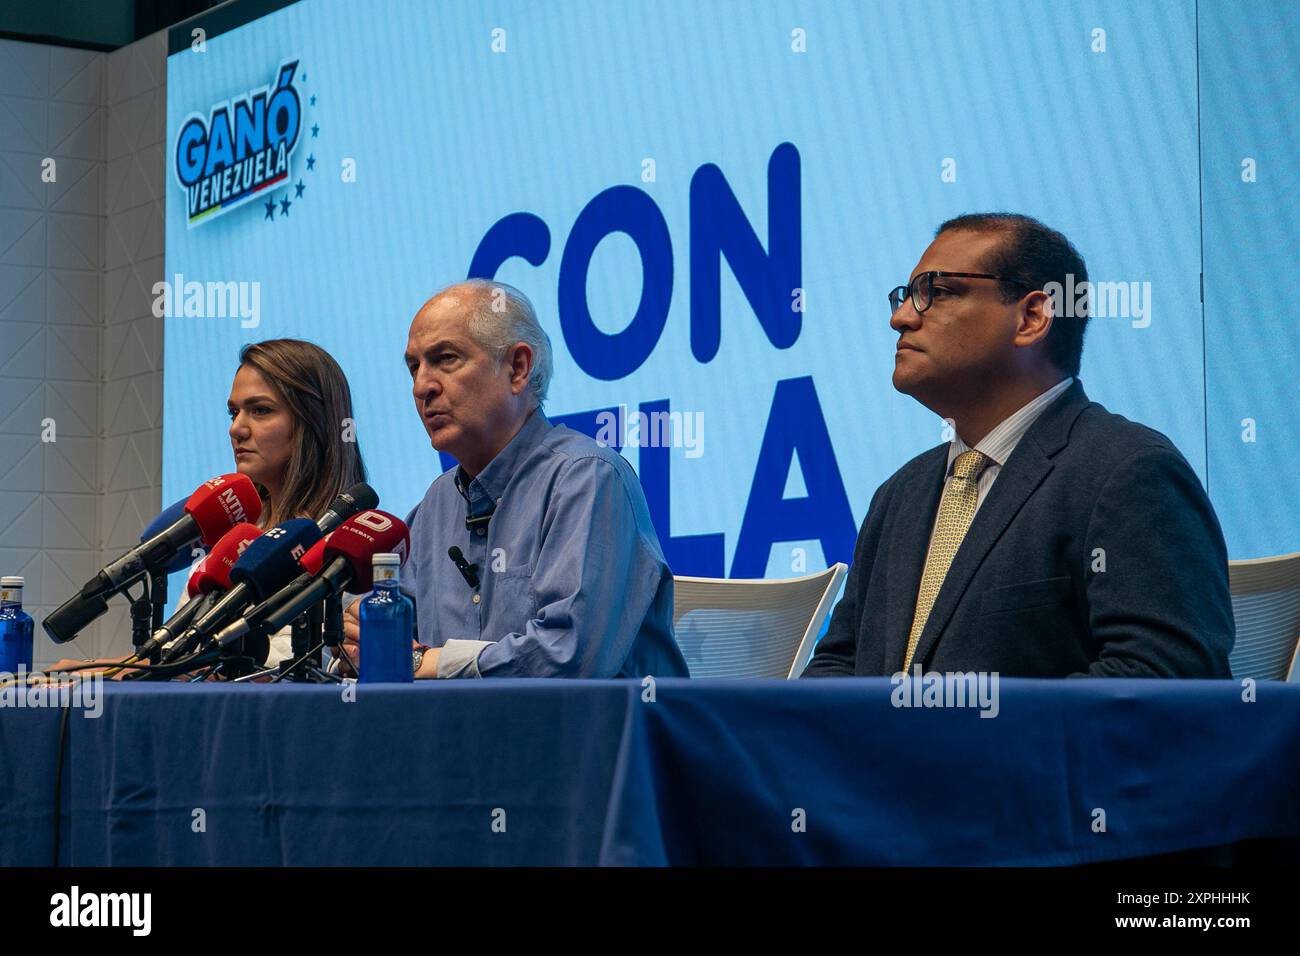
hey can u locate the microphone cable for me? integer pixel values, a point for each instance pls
(290, 669)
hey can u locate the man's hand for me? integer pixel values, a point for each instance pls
(428, 664)
(350, 658)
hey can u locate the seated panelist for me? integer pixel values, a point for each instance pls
(561, 572)
(1050, 537)
(287, 407)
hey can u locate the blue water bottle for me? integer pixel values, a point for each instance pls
(387, 627)
(16, 628)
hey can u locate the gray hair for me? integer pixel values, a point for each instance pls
(504, 316)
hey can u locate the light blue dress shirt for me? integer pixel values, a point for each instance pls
(571, 579)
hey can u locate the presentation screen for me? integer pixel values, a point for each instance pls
(708, 204)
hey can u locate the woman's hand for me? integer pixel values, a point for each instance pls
(83, 668)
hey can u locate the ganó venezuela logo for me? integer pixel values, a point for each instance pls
(241, 149)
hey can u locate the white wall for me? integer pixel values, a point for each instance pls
(130, 449)
(78, 344)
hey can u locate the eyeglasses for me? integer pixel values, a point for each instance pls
(921, 288)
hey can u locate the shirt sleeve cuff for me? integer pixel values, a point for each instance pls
(460, 658)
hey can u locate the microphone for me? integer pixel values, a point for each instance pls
(357, 498)
(347, 564)
(310, 563)
(209, 584)
(267, 565)
(192, 585)
(214, 572)
(303, 636)
(158, 578)
(210, 578)
(216, 506)
(360, 497)
(468, 571)
(315, 556)
(169, 516)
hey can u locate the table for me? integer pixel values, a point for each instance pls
(678, 772)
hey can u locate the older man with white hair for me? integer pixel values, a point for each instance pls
(560, 571)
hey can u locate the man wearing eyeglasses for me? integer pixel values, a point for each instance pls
(1049, 538)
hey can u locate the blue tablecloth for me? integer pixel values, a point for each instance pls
(538, 772)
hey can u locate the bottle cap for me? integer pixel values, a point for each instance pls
(11, 581)
(387, 561)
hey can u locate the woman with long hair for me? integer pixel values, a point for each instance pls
(292, 433)
(291, 428)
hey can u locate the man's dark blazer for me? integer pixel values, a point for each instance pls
(1022, 597)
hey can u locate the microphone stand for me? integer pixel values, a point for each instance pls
(158, 588)
(142, 617)
(333, 633)
(304, 664)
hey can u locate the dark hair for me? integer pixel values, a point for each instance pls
(1036, 255)
(316, 391)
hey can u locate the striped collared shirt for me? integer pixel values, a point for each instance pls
(1001, 442)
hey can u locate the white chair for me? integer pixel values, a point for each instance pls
(746, 627)
(1266, 607)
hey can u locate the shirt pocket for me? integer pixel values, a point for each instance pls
(513, 598)
(1022, 597)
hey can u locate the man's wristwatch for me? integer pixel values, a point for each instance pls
(417, 656)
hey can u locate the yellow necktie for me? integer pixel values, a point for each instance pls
(956, 510)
